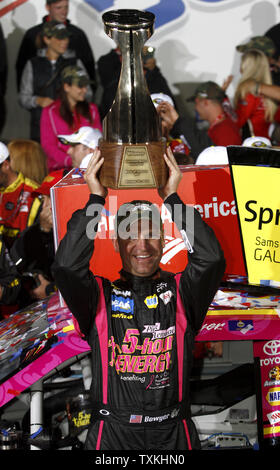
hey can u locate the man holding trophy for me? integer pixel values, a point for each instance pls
(141, 327)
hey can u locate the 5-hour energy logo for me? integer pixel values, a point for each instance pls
(152, 355)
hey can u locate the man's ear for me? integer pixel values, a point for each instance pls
(116, 245)
(46, 40)
(6, 166)
(66, 87)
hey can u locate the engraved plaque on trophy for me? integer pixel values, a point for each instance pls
(132, 143)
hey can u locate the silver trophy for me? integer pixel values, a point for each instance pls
(132, 144)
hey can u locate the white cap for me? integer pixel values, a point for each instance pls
(85, 135)
(159, 97)
(259, 142)
(213, 155)
(4, 152)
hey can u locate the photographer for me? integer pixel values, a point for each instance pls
(10, 282)
(33, 253)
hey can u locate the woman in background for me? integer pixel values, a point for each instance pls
(66, 115)
(41, 75)
(28, 157)
(254, 111)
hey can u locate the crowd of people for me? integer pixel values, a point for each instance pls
(57, 78)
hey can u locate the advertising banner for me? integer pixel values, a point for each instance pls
(269, 354)
(209, 190)
(256, 187)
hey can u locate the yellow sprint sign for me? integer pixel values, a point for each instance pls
(258, 203)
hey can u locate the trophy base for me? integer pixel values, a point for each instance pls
(131, 166)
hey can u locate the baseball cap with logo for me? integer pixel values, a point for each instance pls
(55, 29)
(86, 135)
(262, 43)
(135, 211)
(255, 141)
(158, 98)
(4, 152)
(209, 90)
(74, 75)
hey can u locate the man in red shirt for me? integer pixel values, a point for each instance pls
(209, 101)
(212, 105)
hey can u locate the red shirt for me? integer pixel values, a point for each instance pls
(253, 108)
(15, 204)
(224, 132)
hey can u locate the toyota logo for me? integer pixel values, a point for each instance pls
(272, 348)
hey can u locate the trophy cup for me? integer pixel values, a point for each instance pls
(132, 143)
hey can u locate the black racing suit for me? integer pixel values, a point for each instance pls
(9, 277)
(141, 332)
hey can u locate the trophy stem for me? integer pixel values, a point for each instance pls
(132, 144)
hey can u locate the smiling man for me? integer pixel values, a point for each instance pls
(81, 145)
(141, 327)
(57, 11)
(140, 238)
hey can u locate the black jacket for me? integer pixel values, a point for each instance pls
(196, 139)
(9, 277)
(78, 43)
(46, 81)
(109, 68)
(33, 251)
(141, 332)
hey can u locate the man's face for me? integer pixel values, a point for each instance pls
(77, 153)
(58, 11)
(140, 254)
(200, 106)
(3, 174)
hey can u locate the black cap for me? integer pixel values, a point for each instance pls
(135, 211)
(209, 90)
